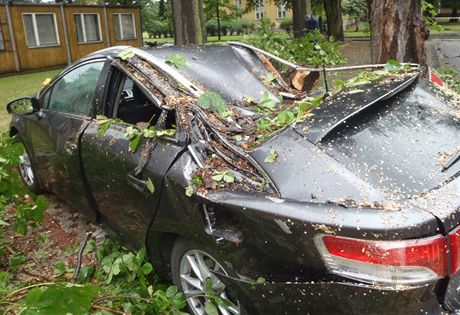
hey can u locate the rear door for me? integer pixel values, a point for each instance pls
(56, 128)
(117, 176)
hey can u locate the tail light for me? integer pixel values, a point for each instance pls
(454, 242)
(405, 262)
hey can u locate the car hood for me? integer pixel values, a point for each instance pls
(389, 153)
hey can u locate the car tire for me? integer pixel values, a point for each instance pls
(191, 280)
(27, 171)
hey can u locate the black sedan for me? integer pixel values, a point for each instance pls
(258, 186)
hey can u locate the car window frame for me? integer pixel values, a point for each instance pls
(109, 109)
(50, 88)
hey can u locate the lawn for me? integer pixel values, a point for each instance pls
(213, 39)
(16, 86)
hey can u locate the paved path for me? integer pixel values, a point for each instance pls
(444, 53)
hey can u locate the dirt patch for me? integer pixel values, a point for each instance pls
(56, 239)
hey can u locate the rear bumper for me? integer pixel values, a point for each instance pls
(333, 298)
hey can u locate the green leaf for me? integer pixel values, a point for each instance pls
(267, 102)
(218, 176)
(150, 185)
(17, 259)
(147, 268)
(229, 177)
(238, 138)
(134, 142)
(177, 60)
(272, 157)
(189, 191)
(59, 299)
(210, 308)
(261, 280)
(213, 101)
(166, 132)
(171, 291)
(197, 180)
(126, 54)
(262, 185)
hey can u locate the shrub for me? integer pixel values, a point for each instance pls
(248, 27)
(211, 27)
(236, 27)
(287, 24)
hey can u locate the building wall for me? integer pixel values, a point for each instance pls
(270, 11)
(79, 50)
(7, 63)
(133, 42)
(32, 58)
(39, 57)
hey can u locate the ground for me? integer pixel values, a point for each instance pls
(57, 239)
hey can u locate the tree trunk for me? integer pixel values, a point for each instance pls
(333, 10)
(398, 31)
(299, 9)
(188, 22)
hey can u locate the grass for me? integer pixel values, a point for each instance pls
(16, 86)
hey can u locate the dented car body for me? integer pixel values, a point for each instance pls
(349, 205)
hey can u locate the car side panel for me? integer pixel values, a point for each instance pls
(123, 200)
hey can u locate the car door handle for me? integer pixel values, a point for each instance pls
(138, 184)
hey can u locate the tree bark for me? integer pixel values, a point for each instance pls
(188, 21)
(333, 10)
(398, 31)
(299, 9)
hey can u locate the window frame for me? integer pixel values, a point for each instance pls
(238, 3)
(120, 26)
(2, 37)
(83, 27)
(281, 11)
(50, 89)
(35, 29)
(260, 10)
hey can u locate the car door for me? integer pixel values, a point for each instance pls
(55, 132)
(119, 177)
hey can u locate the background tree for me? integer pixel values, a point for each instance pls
(398, 31)
(333, 10)
(188, 22)
(221, 10)
(356, 10)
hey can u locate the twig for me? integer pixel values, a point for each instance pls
(105, 308)
(80, 253)
(44, 284)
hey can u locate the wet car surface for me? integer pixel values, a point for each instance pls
(287, 201)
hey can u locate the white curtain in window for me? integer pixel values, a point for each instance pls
(29, 30)
(116, 26)
(79, 28)
(46, 29)
(2, 40)
(92, 28)
(128, 26)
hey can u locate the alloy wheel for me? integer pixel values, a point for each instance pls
(25, 169)
(195, 270)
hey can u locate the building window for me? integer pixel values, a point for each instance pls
(2, 38)
(88, 27)
(281, 11)
(124, 26)
(238, 3)
(260, 10)
(41, 29)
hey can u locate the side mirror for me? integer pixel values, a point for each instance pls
(23, 106)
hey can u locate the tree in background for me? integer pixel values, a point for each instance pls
(221, 10)
(333, 10)
(398, 31)
(356, 10)
(188, 20)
